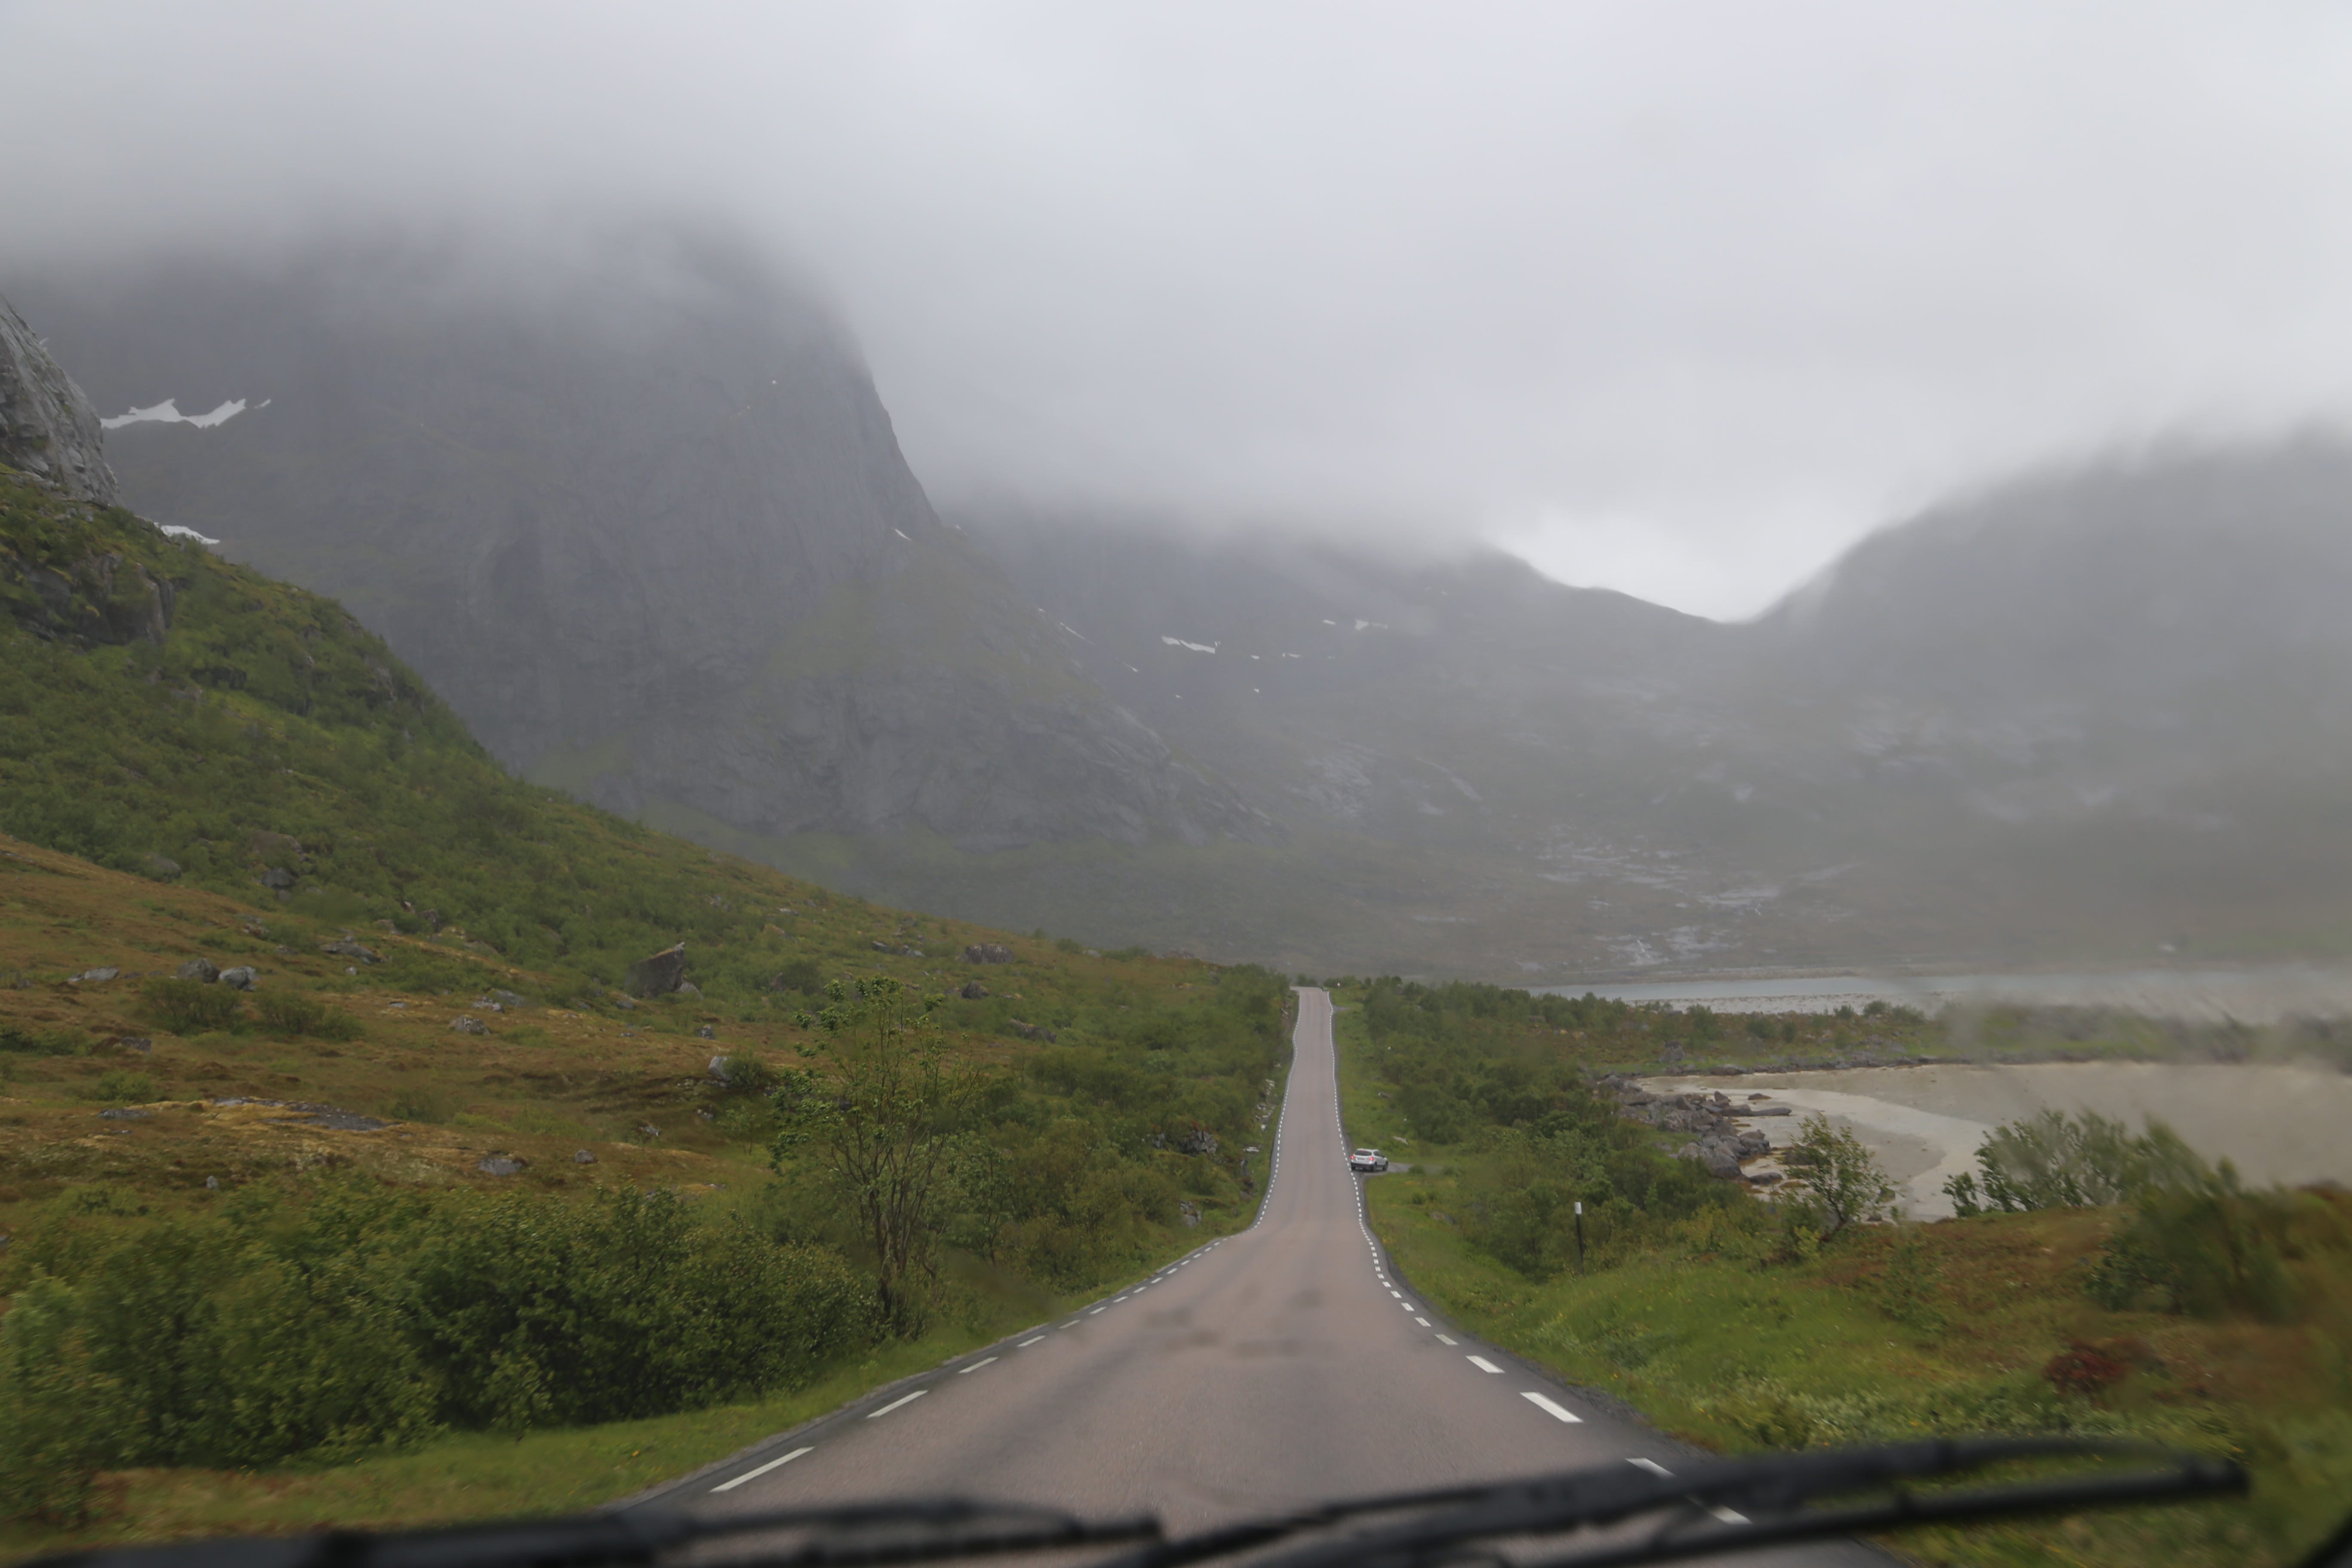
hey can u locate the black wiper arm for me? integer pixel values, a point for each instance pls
(1767, 1498)
(897, 1531)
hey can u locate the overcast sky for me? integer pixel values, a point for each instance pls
(1673, 298)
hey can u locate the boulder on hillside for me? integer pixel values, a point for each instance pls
(973, 991)
(657, 974)
(244, 977)
(203, 971)
(987, 953)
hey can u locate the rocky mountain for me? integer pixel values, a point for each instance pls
(635, 508)
(2098, 715)
(48, 428)
(631, 506)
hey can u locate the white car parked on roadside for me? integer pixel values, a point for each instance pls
(1367, 1161)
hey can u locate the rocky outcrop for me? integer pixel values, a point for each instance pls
(48, 428)
(657, 975)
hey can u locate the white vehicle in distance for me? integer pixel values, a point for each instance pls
(1367, 1161)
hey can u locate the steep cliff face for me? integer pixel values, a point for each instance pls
(606, 499)
(48, 428)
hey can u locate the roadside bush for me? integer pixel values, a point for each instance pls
(60, 1419)
(346, 1317)
(291, 1012)
(189, 1007)
(124, 1086)
(2062, 1160)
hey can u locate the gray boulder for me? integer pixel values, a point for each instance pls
(349, 949)
(973, 991)
(502, 1165)
(244, 977)
(467, 1024)
(657, 974)
(201, 970)
(582, 1157)
(278, 877)
(987, 953)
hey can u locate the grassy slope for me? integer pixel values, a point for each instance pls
(1732, 1355)
(269, 730)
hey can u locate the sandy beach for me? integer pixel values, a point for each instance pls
(2276, 1123)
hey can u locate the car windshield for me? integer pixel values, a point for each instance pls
(814, 702)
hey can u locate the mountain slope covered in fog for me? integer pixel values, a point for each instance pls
(638, 513)
(635, 510)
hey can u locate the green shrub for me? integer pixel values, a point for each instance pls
(291, 1012)
(40, 1042)
(61, 1421)
(124, 1086)
(190, 1007)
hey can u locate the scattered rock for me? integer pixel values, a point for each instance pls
(1768, 1111)
(467, 1024)
(648, 1130)
(1032, 1031)
(881, 947)
(625, 1004)
(1766, 1178)
(582, 1157)
(508, 999)
(212, 1183)
(658, 974)
(349, 949)
(134, 1043)
(718, 1069)
(1200, 1140)
(1188, 1211)
(163, 867)
(987, 953)
(124, 1113)
(688, 988)
(502, 1165)
(278, 877)
(96, 975)
(973, 991)
(707, 1032)
(244, 977)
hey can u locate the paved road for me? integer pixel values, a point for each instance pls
(1280, 1366)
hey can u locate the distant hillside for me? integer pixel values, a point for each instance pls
(2096, 716)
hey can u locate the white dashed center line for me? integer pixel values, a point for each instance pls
(1481, 1363)
(764, 1469)
(1423, 1322)
(1025, 1345)
(906, 1399)
(967, 1372)
(1100, 1310)
(1551, 1408)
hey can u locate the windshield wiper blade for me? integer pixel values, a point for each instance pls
(902, 1530)
(1765, 1497)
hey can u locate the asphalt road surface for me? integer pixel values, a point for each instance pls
(1283, 1365)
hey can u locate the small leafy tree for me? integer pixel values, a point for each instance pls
(880, 1127)
(1833, 1181)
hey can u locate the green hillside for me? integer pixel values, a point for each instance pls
(401, 1180)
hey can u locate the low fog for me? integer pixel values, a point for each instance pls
(1676, 298)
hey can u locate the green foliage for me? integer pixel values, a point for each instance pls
(2059, 1158)
(343, 1318)
(1834, 1181)
(2204, 1245)
(878, 1129)
(61, 1419)
(1910, 1285)
(189, 1007)
(19, 1041)
(124, 1086)
(291, 1012)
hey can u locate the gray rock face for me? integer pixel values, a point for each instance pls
(48, 428)
(244, 977)
(634, 508)
(201, 970)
